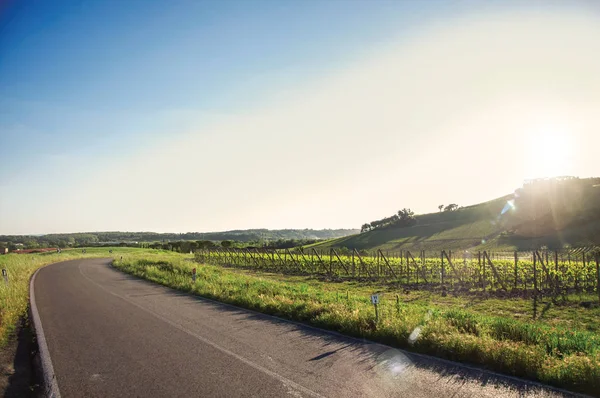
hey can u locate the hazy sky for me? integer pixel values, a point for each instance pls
(183, 116)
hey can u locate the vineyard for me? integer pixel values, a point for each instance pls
(531, 273)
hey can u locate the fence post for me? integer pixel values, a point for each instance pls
(516, 269)
(416, 271)
(407, 253)
(535, 289)
(423, 265)
(442, 274)
(483, 271)
(479, 264)
(556, 280)
(407, 269)
(585, 274)
(598, 275)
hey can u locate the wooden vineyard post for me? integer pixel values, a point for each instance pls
(584, 270)
(353, 265)
(442, 274)
(483, 271)
(535, 288)
(497, 277)
(480, 272)
(576, 273)
(387, 263)
(556, 280)
(407, 253)
(416, 273)
(598, 275)
(340, 260)
(516, 269)
(407, 269)
(423, 266)
(362, 267)
(416, 269)
(320, 259)
(534, 271)
(294, 261)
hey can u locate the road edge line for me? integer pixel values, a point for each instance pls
(472, 367)
(50, 384)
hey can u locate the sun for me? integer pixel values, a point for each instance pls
(549, 153)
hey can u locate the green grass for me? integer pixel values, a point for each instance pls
(464, 228)
(562, 348)
(568, 216)
(14, 297)
(468, 270)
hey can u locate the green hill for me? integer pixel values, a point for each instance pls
(551, 212)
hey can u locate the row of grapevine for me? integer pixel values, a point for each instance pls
(536, 271)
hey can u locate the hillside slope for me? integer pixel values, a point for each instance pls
(553, 213)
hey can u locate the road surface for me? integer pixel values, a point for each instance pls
(112, 335)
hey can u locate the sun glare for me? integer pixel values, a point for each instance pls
(550, 153)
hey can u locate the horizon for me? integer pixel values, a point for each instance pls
(230, 230)
(206, 117)
(259, 228)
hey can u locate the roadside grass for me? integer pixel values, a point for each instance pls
(566, 314)
(14, 297)
(564, 352)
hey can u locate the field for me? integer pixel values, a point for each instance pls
(535, 274)
(481, 325)
(561, 347)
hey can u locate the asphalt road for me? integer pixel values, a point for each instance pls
(112, 335)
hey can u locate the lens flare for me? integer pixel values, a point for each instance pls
(394, 362)
(412, 339)
(510, 205)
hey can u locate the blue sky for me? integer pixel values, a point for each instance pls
(138, 115)
(98, 71)
(99, 77)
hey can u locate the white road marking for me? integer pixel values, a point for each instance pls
(287, 382)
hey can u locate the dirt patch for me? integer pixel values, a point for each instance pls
(17, 375)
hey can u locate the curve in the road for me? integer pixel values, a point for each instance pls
(112, 335)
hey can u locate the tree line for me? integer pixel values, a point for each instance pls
(404, 218)
(252, 236)
(186, 246)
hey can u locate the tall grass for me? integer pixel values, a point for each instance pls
(14, 296)
(558, 356)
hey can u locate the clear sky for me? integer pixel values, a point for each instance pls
(176, 116)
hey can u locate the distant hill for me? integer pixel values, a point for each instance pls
(554, 213)
(248, 235)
